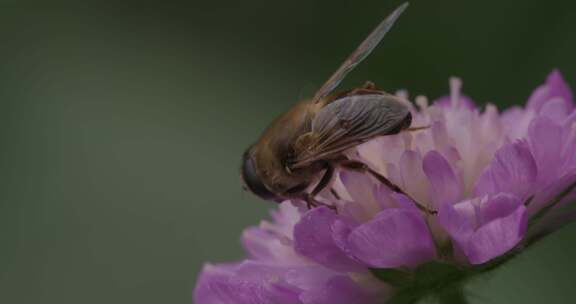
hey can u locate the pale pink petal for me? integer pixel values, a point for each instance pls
(394, 238)
(313, 239)
(512, 170)
(446, 188)
(546, 142)
(496, 237)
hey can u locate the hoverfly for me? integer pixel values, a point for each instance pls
(303, 147)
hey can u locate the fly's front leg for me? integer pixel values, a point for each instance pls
(362, 167)
(311, 202)
(322, 184)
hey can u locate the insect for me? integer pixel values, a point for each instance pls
(302, 148)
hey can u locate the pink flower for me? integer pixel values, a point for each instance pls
(493, 184)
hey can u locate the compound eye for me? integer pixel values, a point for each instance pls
(252, 181)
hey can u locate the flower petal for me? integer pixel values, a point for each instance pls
(257, 243)
(395, 237)
(497, 206)
(512, 170)
(515, 121)
(360, 188)
(212, 285)
(339, 290)
(446, 101)
(459, 220)
(569, 139)
(413, 177)
(313, 239)
(554, 87)
(558, 86)
(380, 151)
(546, 142)
(308, 276)
(496, 237)
(246, 283)
(555, 109)
(446, 188)
(550, 193)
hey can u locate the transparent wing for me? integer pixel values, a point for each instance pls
(350, 121)
(363, 50)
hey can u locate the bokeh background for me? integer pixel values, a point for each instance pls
(121, 128)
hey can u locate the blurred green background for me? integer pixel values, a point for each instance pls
(122, 128)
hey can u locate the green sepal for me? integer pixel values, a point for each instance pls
(395, 277)
(430, 279)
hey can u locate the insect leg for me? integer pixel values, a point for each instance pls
(412, 129)
(335, 194)
(362, 167)
(311, 202)
(324, 181)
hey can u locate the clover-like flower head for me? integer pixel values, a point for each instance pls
(480, 186)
